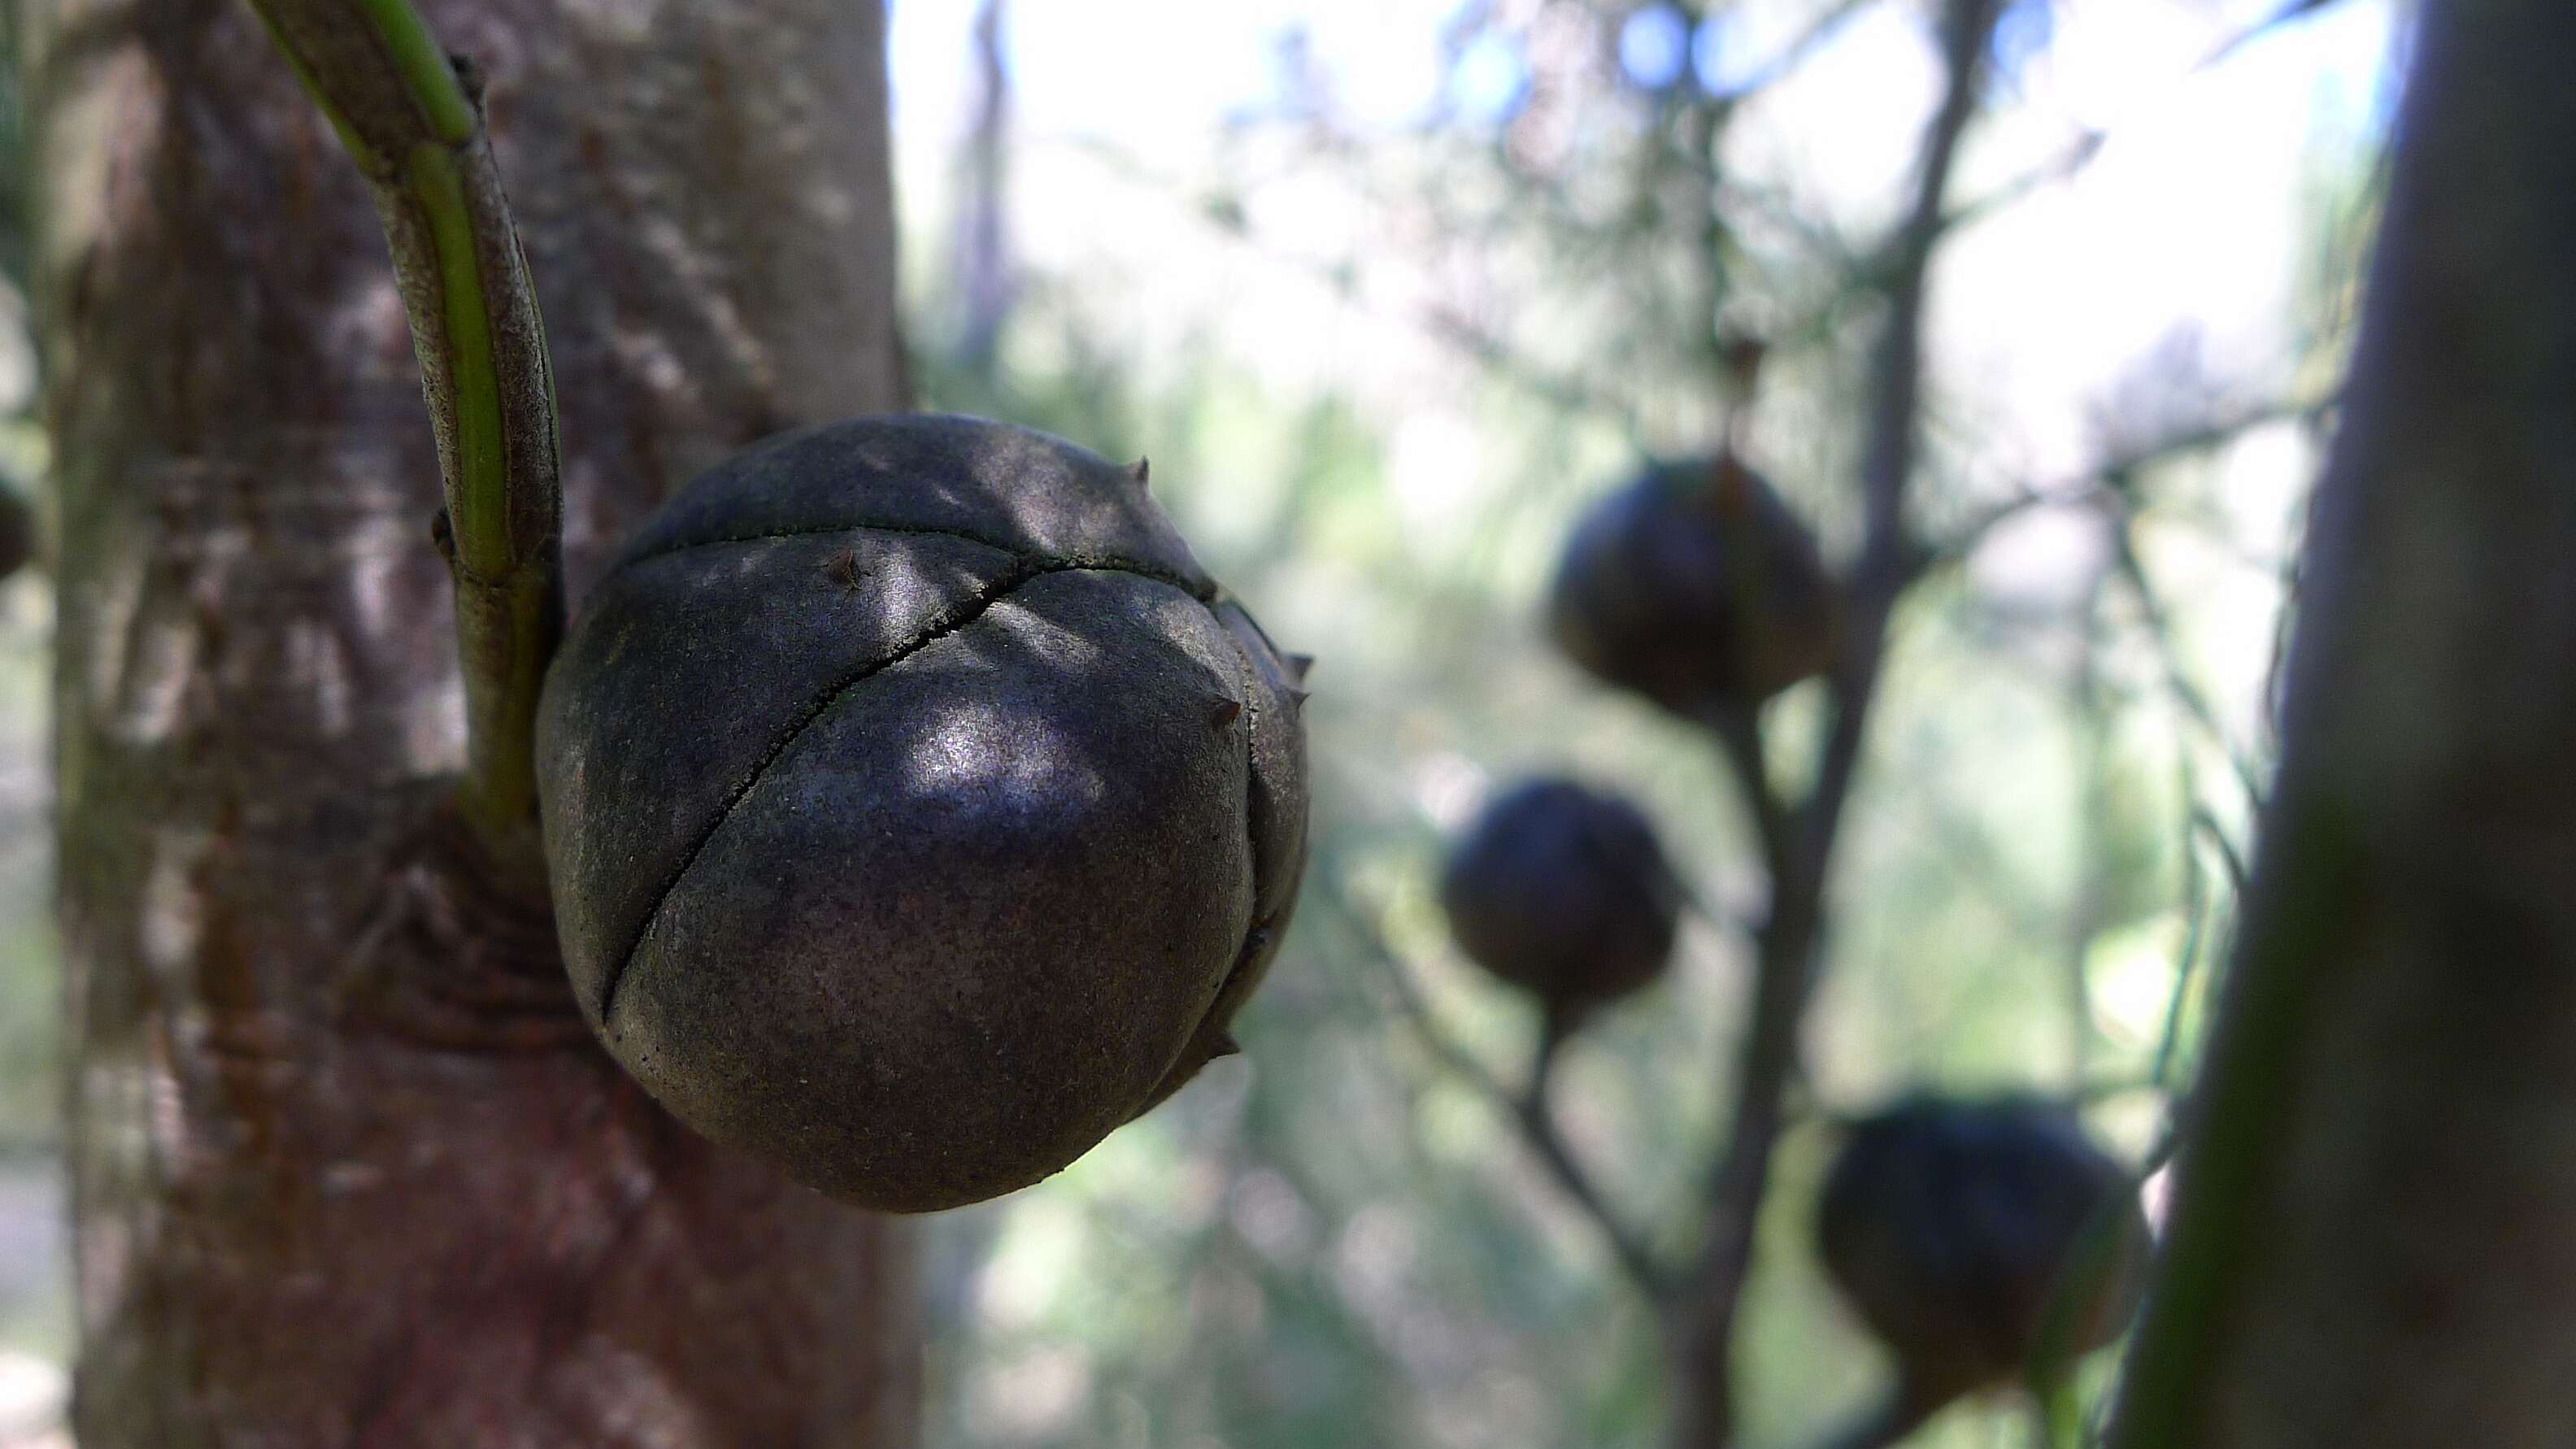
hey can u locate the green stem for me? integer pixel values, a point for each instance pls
(416, 133)
(426, 73)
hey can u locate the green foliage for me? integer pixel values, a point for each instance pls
(1338, 1240)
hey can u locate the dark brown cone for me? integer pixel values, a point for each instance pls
(894, 831)
(1694, 586)
(1563, 892)
(1949, 1225)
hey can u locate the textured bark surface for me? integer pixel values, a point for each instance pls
(347, 1166)
(2372, 1245)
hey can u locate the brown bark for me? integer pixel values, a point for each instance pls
(2371, 1245)
(347, 1167)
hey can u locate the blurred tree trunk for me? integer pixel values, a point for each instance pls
(985, 281)
(2374, 1242)
(348, 1170)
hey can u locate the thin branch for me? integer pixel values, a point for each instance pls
(1889, 557)
(1786, 60)
(2178, 682)
(2088, 702)
(2187, 970)
(1771, 206)
(2107, 481)
(2207, 824)
(1739, 735)
(411, 117)
(2195, 949)
(2064, 166)
(2288, 13)
(1526, 1108)
(1889, 560)
(2111, 484)
(1566, 391)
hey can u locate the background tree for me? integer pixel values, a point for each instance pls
(347, 1165)
(2369, 1242)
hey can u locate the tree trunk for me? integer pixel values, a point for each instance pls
(2374, 1241)
(347, 1167)
(985, 284)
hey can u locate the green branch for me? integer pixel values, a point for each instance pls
(415, 130)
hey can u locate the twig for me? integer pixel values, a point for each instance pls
(1789, 57)
(1773, 207)
(2088, 702)
(2178, 681)
(1889, 561)
(2064, 166)
(2195, 935)
(1739, 735)
(2195, 948)
(1707, 121)
(1565, 391)
(2207, 824)
(411, 117)
(1526, 1108)
(2288, 12)
(2105, 480)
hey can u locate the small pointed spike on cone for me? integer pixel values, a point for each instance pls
(1142, 472)
(1225, 712)
(1298, 697)
(1226, 1046)
(469, 76)
(1299, 664)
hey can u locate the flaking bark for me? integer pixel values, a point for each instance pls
(347, 1165)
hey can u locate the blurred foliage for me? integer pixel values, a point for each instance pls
(1467, 325)
(1334, 1241)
